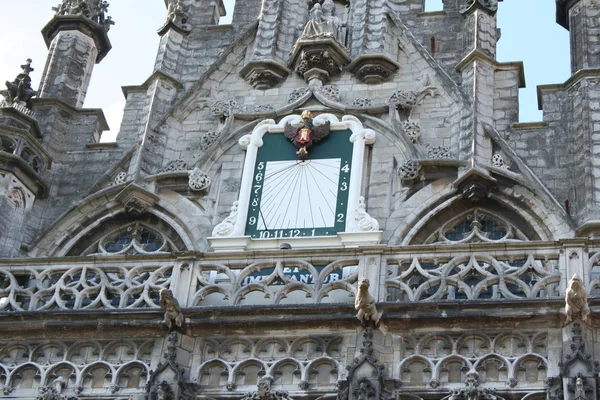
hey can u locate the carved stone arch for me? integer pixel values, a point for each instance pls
(214, 374)
(147, 234)
(133, 375)
(96, 375)
(493, 368)
(115, 350)
(224, 144)
(26, 376)
(3, 375)
(113, 205)
(416, 371)
(209, 348)
(17, 197)
(272, 347)
(84, 352)
(286, 372)
(473, 345)
(51, 351)
(429, 213)
(144, 351)
(453, 369)
(505, 344)
(65, 370)
(333, 348)
(236, 349)
(443, 345)
(406, 150)
(248, 372)
(530, 368)
(15, 353)
(322, 372)
(315, 347)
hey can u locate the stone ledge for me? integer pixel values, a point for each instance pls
(78, 23)
(582, 73)
(529, 125)
(102, 146)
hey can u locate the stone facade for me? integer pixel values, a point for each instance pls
(466, 225)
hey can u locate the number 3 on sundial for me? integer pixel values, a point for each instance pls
(300, 189)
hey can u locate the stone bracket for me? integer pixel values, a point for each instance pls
(319, 58)
(373, 68)
(264, 74)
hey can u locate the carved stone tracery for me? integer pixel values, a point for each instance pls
(198, 180)
(472, 390)
(174, 166)
(264, 391)
(365, 374)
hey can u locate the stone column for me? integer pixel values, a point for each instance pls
(75, 44)
(477, 69)
(582, 19)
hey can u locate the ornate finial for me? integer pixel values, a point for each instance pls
(94, 10)
(27, 67)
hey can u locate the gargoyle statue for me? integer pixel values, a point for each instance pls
(170, 306)
(365, 303)
(576, 301)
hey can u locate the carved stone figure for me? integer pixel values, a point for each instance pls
(365, 303)
(198, 180)
(225, 228)
(576, 301)
(164, 391)
(170, 306)
(364, 222)
(322, 23)
(19, 90)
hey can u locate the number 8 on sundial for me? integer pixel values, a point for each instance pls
(300, 189)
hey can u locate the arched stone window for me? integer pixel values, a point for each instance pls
(463, 223)
(126, 235)
(476, 226)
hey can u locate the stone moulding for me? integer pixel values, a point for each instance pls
(264, 74)
(230, 234)
(373, 68)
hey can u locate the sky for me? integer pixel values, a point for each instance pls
(529, 34)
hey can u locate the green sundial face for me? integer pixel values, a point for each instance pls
(293, 198)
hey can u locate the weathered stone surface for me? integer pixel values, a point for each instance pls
(468, 284)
